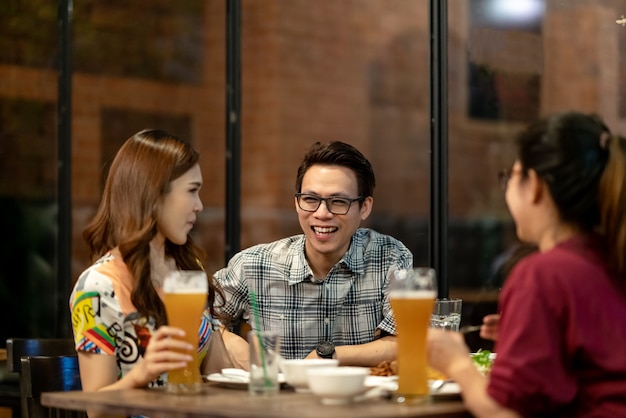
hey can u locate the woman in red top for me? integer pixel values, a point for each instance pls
(562, 330)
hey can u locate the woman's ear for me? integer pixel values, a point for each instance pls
(537, 187)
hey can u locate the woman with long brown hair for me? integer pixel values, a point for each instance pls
(139, 234)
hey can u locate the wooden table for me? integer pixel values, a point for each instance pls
(219, 402)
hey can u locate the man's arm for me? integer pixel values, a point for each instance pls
(368, 354)
(238, 349)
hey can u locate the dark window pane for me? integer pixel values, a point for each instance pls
(27, 149)
(153, 39)
(27, 218)
(28, 33)
(120, 124)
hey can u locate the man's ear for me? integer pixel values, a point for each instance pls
(366, 207)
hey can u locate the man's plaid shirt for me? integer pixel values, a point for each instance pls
(346, 308)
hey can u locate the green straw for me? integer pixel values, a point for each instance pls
(257, 323)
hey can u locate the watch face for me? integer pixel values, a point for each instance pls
(325, 348)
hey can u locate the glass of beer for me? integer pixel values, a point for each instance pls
(412, 295)
(185, 297)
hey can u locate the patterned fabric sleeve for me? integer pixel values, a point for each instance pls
(404, 260)
(206, 328)
(232, 282)
(96, 315)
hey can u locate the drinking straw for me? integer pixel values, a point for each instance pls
(257, 323)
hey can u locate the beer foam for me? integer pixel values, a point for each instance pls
(184, 290)
(186, 282)
(412, 294)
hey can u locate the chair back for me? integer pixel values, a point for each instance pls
(47, 374)
(22, 347)
(29, 347)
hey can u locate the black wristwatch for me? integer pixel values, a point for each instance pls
(325, 349)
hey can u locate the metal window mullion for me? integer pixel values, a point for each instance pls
(438, 222)
(233, 129)
(64, 180)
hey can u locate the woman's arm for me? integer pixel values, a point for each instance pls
(99, 372)
(448, 353)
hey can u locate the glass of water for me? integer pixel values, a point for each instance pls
(447, 314)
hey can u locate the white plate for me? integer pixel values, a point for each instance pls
(390, 383)
(450, 389)
(238, 379)
(234, 378)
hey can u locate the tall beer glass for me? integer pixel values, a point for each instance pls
(185, 298)
(412, 295)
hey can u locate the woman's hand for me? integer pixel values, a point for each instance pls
(489, 329)
(165, 352)
(447, 351)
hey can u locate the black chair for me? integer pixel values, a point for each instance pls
(48, 374)
(24, 347)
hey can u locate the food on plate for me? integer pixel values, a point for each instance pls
(435, 375)
(483, 360)
(390, 368)
(385, 368)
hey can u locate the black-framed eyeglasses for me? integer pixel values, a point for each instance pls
(503, 178)
(335, 205)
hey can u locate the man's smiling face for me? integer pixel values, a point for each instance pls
(328, 235)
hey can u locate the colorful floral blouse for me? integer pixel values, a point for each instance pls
(105, 321)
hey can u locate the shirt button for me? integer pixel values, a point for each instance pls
(326, 321)
(282, 317)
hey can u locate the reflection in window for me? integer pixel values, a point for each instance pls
(154, 39)
(505, 59)
(28, 208)
(27, 149)
(120, 124)
(28, 33)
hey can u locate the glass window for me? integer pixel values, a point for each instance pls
(511, 62)
(148, 64)
(140, 64)
(354, 71)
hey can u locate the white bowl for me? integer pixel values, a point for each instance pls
(295, 370)
(337, 385)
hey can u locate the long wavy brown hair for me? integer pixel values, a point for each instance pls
(140, 175)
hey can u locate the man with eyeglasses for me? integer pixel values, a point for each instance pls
(326, 290)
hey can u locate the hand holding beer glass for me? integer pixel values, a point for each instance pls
(412, 295)
(185, 298)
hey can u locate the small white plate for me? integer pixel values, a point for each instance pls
(234, 378)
